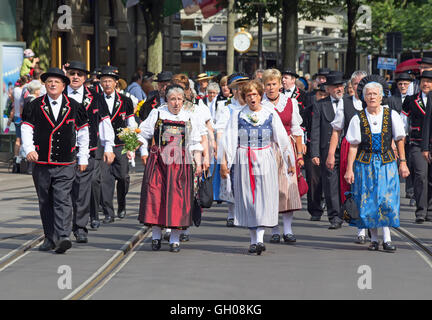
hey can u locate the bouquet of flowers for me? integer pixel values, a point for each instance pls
(130, 138)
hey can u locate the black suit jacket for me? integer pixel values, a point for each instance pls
(427, 127)
(395, 103)
(322, 116)
(153, 102)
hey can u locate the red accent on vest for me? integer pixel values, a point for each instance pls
(286, 116)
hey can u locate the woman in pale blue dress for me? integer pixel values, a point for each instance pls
(372, 168)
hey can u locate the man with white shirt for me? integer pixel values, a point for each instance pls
(324, 112)
(121, 112)
(415, 108)
(86, 188)
(52, 129)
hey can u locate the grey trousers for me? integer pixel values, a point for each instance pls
(422, 175)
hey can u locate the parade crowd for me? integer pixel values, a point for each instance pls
(266, 141)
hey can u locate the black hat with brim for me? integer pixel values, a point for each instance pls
(425, 60)
(57, 73)
(290, 72)
(373, 78)
(164, 76)
(403, 76)
(426, 74)
(323, 72)
(77, 65)
(109, 71)
(334, 78)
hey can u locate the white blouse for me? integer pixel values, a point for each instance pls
(225, 114)
(353, 135)
(147, 128)
(339, 121)
(296, 121)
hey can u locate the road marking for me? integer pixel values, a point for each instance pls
(415, 248)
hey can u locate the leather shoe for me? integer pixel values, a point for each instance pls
(388, 246)
(156, 244)
(335, 225)
(230, 223)
(108, 220)
(174, 247)
(361, 240)
(95, 224)
(260, 247)
(275, 238)
(63, 245)
(81, 237)
(252, 248)
(374, 246)
(47, 245)
(289, 238)
(121, 214)
(315, 218)
(184, 237)
(419, 220)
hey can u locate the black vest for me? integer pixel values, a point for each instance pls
(55, 140)
(349, 112)
(364, 152)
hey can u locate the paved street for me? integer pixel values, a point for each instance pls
(214, 264)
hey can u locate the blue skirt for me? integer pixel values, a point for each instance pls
(376, 191)
(216, 181)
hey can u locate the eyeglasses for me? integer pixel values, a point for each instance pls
(371, 95)
(79, 74)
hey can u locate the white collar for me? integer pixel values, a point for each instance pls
(292, 89)
(79, 91)
(59, 100)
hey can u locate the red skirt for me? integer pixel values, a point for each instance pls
(166, 192)
(344, 186)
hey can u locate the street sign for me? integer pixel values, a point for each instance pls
(387, 63)
(217, 38)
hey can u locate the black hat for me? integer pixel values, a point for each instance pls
(77, 65)
(148, 75)
(291, 72)
(427, 60)
(323, 72)
(426, 74)
(96, 71)
(321, 87)
(164, 76)
(403, 76)
(55, 72)
(373, 78)
(334, 78)
(109, 71)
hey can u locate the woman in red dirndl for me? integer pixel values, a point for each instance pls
(167, 188)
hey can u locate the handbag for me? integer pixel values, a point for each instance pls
(301, 182)
(205, 190)
(196, 213)
(349, 209)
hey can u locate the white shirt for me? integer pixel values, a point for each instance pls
(147, 128)
(336, 105)
(338, 123)
(110, 101)
(225, 114)
(17, 100)
(290, 91)
(57, 106)
(353, 135)
(424, 97)
(78, 96)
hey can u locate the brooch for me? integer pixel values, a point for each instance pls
(253, 118)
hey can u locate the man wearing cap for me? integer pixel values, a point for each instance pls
(156, 98)
(324, 112)
(53, 127)
(415, 108)
(425, 65)
(121, 112)
(86, 188)
(313, 172)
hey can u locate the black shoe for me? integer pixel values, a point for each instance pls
(429, 219)
(323, 205)
(219, 202)
(230, 223)
(121, 214)
(275, 238)
(47, 245)
(252, 248)
(335, 225)
(174, 247)
(184, 237)
(388, 246)
(63, 245)
(81, 237)
(167, 236)
(108, 220)
(156, 244)
(95, 224)
(361, 240)
(289, 238)
(374, 246)
(419, 220)
(315, 218)
(260, 247)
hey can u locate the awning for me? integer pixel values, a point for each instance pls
(411, 64)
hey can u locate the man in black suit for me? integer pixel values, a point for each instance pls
(425, 65)
(156, 98)
(415, 108)
(324, 112)
(313, 172)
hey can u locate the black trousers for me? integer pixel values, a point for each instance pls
(85, 193)
(54, 188)
(409, 181)
(95, 201)
(422, 175)
(330, 185)
(314, 195)
(117, 171)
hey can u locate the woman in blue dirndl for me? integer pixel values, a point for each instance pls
(372, 168)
